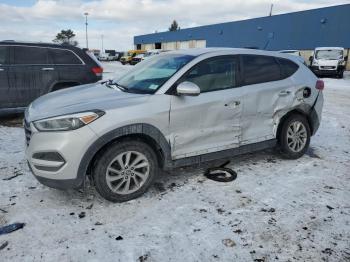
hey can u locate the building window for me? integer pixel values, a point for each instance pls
(158, 45)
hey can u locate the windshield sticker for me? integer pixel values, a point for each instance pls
(153, 86)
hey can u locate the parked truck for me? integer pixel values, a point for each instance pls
(328, 61)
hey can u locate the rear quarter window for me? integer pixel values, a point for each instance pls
(64, 57)
(288, 67)
(26, 55)
(260, 69)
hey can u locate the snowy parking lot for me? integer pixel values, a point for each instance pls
(276, 209)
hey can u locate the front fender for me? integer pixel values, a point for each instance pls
(133, 129)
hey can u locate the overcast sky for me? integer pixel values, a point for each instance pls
(120, 20)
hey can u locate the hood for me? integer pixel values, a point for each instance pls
(325, 62)
(79, 99)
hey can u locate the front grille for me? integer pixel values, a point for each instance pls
(27, 131)
(328, 67)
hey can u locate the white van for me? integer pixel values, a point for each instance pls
(328, 61)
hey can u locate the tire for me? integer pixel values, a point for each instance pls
(111, 179)
(340, 74)
(289, 148)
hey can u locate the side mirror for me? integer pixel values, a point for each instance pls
(188, 89)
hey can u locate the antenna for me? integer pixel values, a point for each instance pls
(271, 9)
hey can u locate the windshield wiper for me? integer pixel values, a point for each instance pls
(111, 83)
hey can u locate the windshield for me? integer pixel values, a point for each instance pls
(148, 76)
(329, 54)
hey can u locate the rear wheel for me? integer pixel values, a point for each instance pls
(294, 138)
(125, 171)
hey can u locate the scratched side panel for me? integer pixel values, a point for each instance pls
(266, 103)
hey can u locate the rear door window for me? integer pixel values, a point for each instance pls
(288, 67)
(3, 54)
(26, 55)
(64, 57)
(260, 69)
(214, 74)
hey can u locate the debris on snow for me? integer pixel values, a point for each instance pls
(14, 176)
(228, 242)
(10, 228)
(329, 207)
(3, 245)
(270, 210)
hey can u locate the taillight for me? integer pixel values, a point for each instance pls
(97, 70)
(320, 85)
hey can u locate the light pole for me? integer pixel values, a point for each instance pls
(102, 43)
(86, 33)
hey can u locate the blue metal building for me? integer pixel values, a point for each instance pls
(303, 30)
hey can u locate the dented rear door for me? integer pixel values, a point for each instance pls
(266, 94)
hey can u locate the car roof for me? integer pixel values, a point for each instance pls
(39, 44)
(329, 48)
(218, 50)
(288, 50)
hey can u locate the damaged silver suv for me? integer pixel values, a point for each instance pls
(175, 109)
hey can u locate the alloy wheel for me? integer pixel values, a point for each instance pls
(296, 136)
(127, 172)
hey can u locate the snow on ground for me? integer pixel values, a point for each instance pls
(276, 210)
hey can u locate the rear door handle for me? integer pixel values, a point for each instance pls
(47, 69)
(284, 93)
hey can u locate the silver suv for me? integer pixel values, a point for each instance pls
(175, 109)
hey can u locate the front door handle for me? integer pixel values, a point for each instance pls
(47, 69)
(233, 103)
(284, 93)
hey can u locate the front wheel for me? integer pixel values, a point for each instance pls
(294, 138)
(125, 171)
(340, 74)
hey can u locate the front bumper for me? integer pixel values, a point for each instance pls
(319, 70)
(58, 172)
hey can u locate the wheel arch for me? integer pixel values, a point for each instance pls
(305, 112)
(146, 133)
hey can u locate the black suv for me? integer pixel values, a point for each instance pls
(30, 70)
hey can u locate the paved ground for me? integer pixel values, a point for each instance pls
(276, 210)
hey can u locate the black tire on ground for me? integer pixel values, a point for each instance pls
(340, 74)
(107, 156)
(283, 139)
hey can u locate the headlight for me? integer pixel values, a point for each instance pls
(67, 122)
(315, 63)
